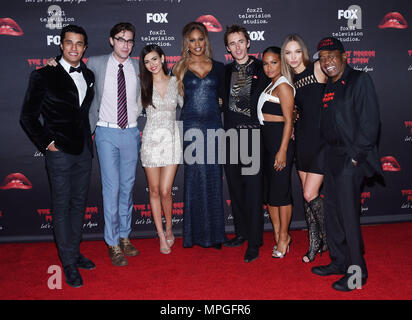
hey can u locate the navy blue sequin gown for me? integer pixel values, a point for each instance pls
(203, 202)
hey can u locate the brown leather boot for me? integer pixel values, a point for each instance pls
(117, 256)
(128, 248)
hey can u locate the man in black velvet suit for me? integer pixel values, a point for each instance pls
(62, 95)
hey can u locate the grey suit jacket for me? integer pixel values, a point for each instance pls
(98, 65)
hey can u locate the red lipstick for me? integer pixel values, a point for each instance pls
(393, 20)
(389, 163)
(210, 22)
(10, 27)
(16, 181)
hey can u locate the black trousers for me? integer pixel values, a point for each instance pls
(69, 177)
(342, 185)
(246, 191)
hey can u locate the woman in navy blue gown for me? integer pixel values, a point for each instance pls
(199, 77)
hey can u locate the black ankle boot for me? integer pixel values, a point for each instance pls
(315, 241)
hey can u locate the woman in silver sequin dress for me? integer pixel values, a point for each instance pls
(161, 150)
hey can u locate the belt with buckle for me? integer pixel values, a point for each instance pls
(114, 125)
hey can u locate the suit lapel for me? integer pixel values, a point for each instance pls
(89, 83)
(102, 75)
(253, 88)
(68, 85)
(136, 69)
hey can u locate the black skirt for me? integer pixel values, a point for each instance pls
(277, 184)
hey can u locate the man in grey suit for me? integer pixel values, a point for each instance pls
(113, 117)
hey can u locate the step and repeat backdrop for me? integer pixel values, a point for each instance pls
(376, 35)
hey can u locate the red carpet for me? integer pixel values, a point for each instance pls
(210, 274)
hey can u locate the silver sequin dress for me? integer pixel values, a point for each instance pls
(161, 145)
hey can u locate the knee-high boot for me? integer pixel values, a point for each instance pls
(313, 233)
(317, 209)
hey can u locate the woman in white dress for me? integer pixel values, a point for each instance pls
(161, 150)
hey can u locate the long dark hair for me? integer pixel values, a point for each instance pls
(146, 77)
(287, 70)
(180, 67)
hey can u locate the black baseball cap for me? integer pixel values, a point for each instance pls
(330, 44)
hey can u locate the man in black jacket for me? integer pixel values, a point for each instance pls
(244, 80)
(62, 95)
(350, 125)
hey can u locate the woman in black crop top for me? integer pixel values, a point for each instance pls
(275, 110)
(309, 81)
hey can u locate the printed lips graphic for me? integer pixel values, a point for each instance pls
(16, 181)
(389, 163)
(210, 22)
(393, 20)
(10, 27)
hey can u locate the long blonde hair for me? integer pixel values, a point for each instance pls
(287, 70)
(180, 67)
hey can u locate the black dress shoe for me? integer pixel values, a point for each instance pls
(73, 277)
(252, 253)
(84, 263)
(217, 246)
(327, 270)
(343, 284)
(235, 242)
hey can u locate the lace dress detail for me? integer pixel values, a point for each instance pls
(161, 145)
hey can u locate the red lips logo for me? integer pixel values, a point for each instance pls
(9, 27)
(393, 20)
(16, 181)
(389, 163)
(210, 22)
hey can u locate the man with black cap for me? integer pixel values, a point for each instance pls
(349, 124)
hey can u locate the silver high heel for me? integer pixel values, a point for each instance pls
(171, 241)
(280, 255)
(166, 249)
(274, 251)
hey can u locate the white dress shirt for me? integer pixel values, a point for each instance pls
(108, 106)
(77, 78)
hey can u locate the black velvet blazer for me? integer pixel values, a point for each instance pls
(53, 94)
